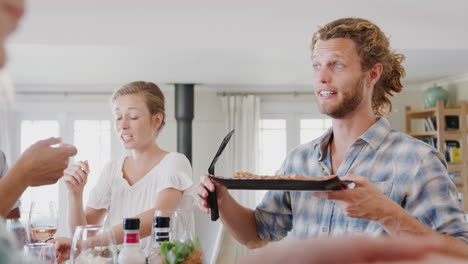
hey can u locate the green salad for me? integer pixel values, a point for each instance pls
(176, 252)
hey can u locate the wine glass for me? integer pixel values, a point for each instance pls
(44, 252)
(43, 220)
(93, 244)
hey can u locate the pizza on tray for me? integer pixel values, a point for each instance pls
(247, 175)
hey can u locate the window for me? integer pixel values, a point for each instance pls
(272, 145)
(313, 128)
(279, 133)
(92, 138)
(32, 131)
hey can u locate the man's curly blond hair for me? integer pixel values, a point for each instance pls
(373, 47)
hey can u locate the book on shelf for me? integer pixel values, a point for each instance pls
(452, 151)
(426, 125)
(455, 155)
(429, 140)
(451, 123)
(430, 123)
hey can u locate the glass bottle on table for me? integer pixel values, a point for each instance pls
(131, 252)
(161, 225)
(43, 220)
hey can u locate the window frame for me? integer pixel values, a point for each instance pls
(293, 113)
(65, 112)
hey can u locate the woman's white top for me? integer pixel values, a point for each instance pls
(113, 193)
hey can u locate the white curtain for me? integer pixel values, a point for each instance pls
(242, 114)
(6, 114)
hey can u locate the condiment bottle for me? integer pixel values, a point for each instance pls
(131, 252)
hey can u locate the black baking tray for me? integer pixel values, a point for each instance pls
(328, 184)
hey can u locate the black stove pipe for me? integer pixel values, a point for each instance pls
(184, 108)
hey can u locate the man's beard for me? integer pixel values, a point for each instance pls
(351, 101)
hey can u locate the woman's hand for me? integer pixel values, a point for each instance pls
(62, 248)
(76, 176)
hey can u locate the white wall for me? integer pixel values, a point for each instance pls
(408, 97)
(458, 89)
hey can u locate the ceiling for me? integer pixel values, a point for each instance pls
(242, 43)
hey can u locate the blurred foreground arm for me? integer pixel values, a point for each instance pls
(40, 164)
(353, 250)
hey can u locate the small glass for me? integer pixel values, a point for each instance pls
(15, 227)
(93, 244)
(44, 252)
(43, 220)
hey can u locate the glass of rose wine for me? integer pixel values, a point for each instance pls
(43, 220)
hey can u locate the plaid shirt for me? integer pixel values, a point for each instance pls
(408, 171)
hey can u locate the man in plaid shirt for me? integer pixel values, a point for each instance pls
(402, 186)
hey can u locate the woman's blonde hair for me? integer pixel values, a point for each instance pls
(373, 47)
(151, 93)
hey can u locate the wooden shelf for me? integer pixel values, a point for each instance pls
(447, 135)
(456, 166)
(423, 113)
(423, 134)
(452, 111)
(452, 135)
(439, 112)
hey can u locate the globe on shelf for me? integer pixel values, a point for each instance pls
(433, 94)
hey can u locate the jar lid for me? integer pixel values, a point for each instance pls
(131, 223)
(161, 221)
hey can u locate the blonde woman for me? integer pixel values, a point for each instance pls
(134, 186)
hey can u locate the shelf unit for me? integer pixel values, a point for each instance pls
(442, 135)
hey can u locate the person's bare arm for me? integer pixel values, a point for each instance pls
(367, 202)
(76, 214)
(398, 223)
(350, 250)
(239, 220)
(40, 164)
(75, 178)
(167, 199)
(11, 189)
